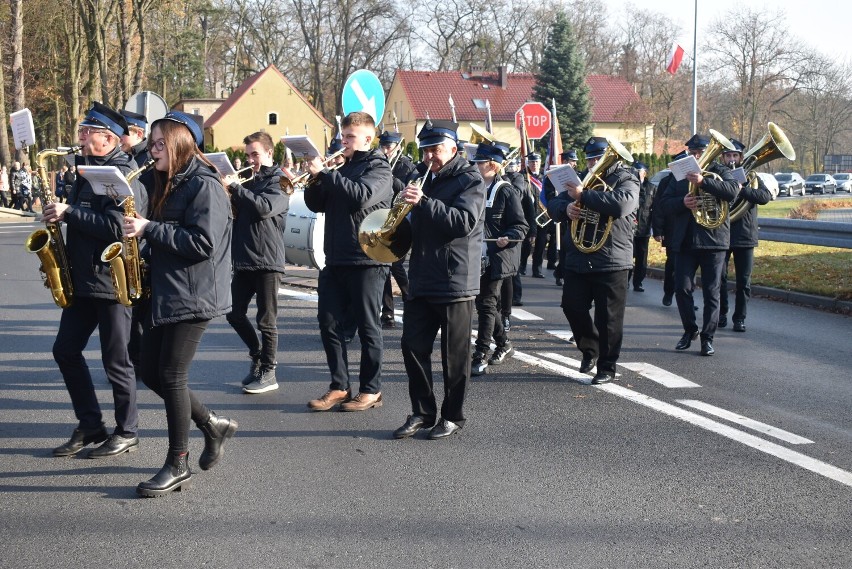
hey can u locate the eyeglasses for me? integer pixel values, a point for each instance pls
(158, 144)
(87, 130)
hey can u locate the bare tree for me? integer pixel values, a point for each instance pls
(19, 100)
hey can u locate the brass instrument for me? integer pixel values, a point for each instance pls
(289, 186)
(125, 265)
(48, 243)
(247, 179)
(385, 234)
(712, 211)
(479, 134)
(587, 231)
(773, 145)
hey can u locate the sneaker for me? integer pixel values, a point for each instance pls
(507, 324)
(254, 371)
(265, 381)
(479, 365)
(723, 321)
(501, 354)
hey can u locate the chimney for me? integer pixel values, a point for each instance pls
(504, 76)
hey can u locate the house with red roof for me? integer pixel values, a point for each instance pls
(266, 102)
(617, 110)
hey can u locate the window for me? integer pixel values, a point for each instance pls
(479, 103)
(273, 118)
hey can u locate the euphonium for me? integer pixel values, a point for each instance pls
(774, 144)
(712, 211)
(125, 265)
(48, 242)
(589, 232)
(382, 235)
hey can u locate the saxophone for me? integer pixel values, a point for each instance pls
(48, 243)
(125, 265)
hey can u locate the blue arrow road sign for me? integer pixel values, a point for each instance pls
(364, 92)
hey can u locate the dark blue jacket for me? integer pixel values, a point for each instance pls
(504, 218)
(744, 230)
(260, 218)
(346, 196)
(620, 204)
(190, 249)
(685, 233)
(94, 222)
(447, 227)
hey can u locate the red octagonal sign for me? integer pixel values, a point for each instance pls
(537, 118)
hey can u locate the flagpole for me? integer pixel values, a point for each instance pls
(695, 73)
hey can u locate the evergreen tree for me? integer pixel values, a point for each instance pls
(562, 76)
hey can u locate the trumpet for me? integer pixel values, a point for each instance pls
(242, 180)
(301, 181)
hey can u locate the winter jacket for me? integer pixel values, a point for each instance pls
(260, 218)
(190, 249)
(643, 213)
(686, 234)
(447, 229)
(744, 230)
(528, 200)
(346, 196)
(620, 204)
(402, 172)
(93, 223)
(504, 217)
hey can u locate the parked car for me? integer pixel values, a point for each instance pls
(820, 183)
(844, 181)
(658, 177)
(770, 182)
(790, 184)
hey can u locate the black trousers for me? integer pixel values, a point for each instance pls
(421, 323)
(668, 274)
(687, 264)
(488, 310)
(352, 293)
(167, 354)
(743, 264)
(263, 285)
(76, 326)
(397, 271)
(139, 315)
(545, 239)
(516, 295)
(640, 259)
(600, 337)
(526, 249)
(3, 201)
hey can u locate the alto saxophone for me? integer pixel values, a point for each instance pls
(125, 265)
(48, 243)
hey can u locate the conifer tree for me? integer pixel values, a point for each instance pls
(562, 76)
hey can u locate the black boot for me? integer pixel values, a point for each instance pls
(173, 476)
(215, 430)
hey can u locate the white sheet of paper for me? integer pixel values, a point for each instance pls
(220, 160)
(680, 168)
(106, 180)
(739, 175)
(562, 175)
(23, 131)
(301, 144)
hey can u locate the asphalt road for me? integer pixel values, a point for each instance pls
(739, 460)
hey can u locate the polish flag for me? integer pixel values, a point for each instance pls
(675, 58)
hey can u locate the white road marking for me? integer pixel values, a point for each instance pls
(746, 422)
(521, 314)
(555, 368)
(565, 335)
(661, 376)
(298, 294)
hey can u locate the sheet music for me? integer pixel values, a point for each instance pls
(560, 176)
(220, 160)
(23, 131)
(739, 175)
(680, 168)
(301, 144)
(106, 180)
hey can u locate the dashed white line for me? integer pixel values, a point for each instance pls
(298, 294)
(521, 314)
(769, 430)
(659, 375)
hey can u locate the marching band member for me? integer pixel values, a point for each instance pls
(257, 251)
(92, 223)
(447, 227)
(350, 284)
(189, 234)
(643, 227)
(599, 277)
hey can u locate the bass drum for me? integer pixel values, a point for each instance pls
(304, 234)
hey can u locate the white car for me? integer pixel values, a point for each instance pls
(770, 182)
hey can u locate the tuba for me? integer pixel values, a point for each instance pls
(125, 265)
(382, 235)
(773, 145)
(712, 211)
(589, 232)
(48, 243)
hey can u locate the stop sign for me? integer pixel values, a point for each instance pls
(537, 118)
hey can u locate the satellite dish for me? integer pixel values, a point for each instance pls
(147, 103)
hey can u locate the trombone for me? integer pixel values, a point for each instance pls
(289, 186)
(397, 152)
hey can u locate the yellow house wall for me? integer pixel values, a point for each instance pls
(205, 109)
(637, 138)
(270, 94)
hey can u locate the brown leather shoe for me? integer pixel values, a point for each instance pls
(331, 398)
(362, 402)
